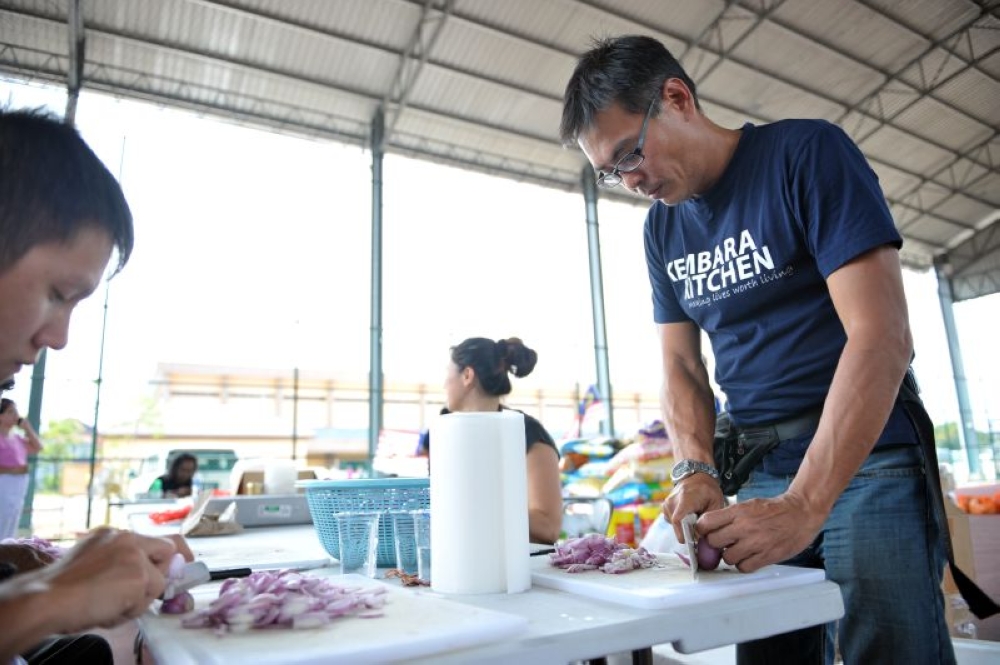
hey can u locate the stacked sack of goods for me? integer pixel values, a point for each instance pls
(634, 474)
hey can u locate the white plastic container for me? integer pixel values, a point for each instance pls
(280, 476)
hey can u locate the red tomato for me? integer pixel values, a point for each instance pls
(171, 515)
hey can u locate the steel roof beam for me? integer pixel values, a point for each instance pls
(292, 76)
(984, 11)
(74, 72)
(821, 95)
(286, 22)
(833, 100)
(412, 60)
(818, 39)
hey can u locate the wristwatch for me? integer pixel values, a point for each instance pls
(689, 467)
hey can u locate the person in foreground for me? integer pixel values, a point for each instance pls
(14, 451)
(777, 242)
(61, 215)
(476, 379)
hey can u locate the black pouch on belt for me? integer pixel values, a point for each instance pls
(736, 454)
(739, 449)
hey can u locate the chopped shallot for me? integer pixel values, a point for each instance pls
(285, 598)
(46, 547)
(597, 552)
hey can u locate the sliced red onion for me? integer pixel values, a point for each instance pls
(285, 598)
(46, 547)
(594, 551)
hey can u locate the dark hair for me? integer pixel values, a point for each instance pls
(5, 404)
(493, 360)
(629, 71)
(180, 459)
(52, 185)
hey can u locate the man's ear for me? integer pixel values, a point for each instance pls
(677, 95)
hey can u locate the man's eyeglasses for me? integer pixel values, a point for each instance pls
(630, 161)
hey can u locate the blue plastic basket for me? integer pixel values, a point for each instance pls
(385, 495)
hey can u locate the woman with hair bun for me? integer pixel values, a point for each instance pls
(477, 378)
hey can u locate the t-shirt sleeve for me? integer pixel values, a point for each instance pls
(838, 200)
(666, 308)
(535, 433)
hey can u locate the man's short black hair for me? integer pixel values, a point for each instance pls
(629, 71)
(52, 185)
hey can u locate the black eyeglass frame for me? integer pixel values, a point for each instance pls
(624, 165)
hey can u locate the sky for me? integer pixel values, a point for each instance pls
(253, 249)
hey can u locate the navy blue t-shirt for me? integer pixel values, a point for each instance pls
(748, 261)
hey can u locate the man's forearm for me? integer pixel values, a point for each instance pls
(857, 407)
(25, 614)
(689, 414)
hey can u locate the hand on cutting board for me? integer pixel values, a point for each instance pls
(110, 576)
(760, 532)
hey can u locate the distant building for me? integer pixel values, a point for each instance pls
(316, 416)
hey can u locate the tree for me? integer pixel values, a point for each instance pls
(62, 440)
(946, 436)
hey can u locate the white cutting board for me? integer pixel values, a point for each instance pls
(416, 622)
(669, 585)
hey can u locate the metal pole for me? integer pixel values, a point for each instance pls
(966, 425)
(74, 73)
(74, 80)
(375, 386)
(97, 405)
(597, 300)
(35, 418)
(295, 413)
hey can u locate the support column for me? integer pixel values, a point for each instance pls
(35, 418)
(74, 74)
(597, 300)
(375, 378)
(295, 413)
(967, 427)
(74, 80)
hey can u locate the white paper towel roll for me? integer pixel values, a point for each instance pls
(479, 504)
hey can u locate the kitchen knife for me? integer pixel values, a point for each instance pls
(192, 574)
(687, 526)
(195, 573)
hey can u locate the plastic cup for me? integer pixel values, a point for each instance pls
(358, 536)
(422, 536)
(405, 541)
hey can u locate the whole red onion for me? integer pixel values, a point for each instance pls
(708, 556)
(182, 603)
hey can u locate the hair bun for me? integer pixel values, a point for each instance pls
(518, 358)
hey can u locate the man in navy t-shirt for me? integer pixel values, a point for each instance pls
(777, 242)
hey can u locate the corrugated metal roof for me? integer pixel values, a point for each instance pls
(479, 84)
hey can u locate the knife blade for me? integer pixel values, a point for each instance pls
(195, 573)
(687, 527)
(192, 574)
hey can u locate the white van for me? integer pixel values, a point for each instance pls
(214, 467)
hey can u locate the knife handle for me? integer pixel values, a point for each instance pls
(541, 552)
(226, 573)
